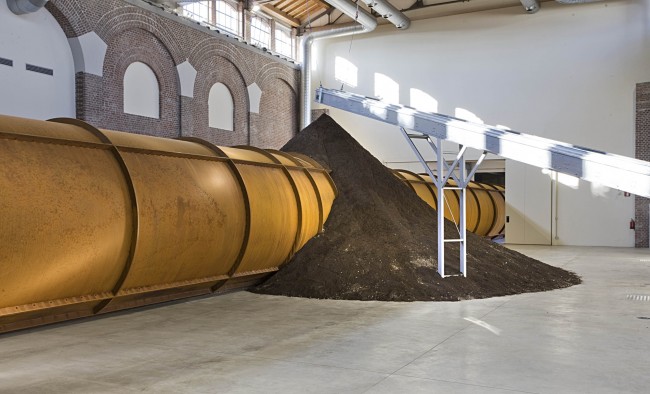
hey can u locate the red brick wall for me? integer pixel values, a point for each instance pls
(124, 48)
(162, 41)
(642, 152)
(215, 66)
(276, 133)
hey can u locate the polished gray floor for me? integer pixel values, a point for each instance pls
(591, 338)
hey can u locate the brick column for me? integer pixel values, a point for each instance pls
(642, 152)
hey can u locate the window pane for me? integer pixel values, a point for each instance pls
(284, 42)
(260, 32)
(199, 11)
(227, 16)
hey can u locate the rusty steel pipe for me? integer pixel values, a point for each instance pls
(94, 220)
(486, 212)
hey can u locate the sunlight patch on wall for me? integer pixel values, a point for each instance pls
(386, 89)
(423, 101)
(345, 71)
(465, 114)
(568, 180)
(599, 190)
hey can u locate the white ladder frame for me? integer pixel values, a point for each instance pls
(462, 180)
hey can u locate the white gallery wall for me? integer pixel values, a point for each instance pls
(567, 72)
(35, 39)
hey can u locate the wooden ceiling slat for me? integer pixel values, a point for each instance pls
(295, 12)
(312, 10)
(301, 7)
(281, 15)
(289, 9)
(322, 3)
(280, 5)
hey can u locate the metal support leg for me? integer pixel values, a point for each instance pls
(440, 180)
(463, 214)
(441, 209)
(418, 154)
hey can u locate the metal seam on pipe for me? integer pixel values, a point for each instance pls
(478, 206)
(134, 203)
(474, 188)
(296, 194)
(429, 186)
(319, 167)
(319, 199)
(173, 259)
(247, 205)
(494, 207)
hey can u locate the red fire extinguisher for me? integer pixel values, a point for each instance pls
(632, 224)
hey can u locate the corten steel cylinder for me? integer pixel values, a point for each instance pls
(485, 203)
(93, 220)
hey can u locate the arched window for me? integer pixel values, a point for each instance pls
(260, 32)
(220, 108)
(141, 91)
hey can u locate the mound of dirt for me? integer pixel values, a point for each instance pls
(380, 241)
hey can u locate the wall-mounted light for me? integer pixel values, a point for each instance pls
(256, 7)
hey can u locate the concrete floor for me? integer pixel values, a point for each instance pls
(586, 339)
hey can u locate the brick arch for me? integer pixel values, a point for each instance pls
(277, 122)
(119, 20)
(211, 70)
(271, 72)
(69, 17)
(137, 45)
(211, 47)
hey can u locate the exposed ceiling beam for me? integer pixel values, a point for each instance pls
(316, 17)
(302, 8)
(307, 11)
(280, 15)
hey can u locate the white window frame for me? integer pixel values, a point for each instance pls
(258, 31)
(220, 14)
(281, 30)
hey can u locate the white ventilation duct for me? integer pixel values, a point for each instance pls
(531, 6)
(365, 23)
(576, 1)
(20, 7)
(389, 12)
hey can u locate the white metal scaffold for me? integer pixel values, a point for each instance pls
(444, 173)
(619, 172)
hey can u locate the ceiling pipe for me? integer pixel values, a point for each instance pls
(389, 12)
(531, 6)
(365, 23)
(576, 1)
(20, 7)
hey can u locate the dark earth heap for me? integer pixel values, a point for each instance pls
(380, 241)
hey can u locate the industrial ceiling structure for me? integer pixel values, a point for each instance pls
(301, 14)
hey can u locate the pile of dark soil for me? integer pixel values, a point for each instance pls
(380, 241)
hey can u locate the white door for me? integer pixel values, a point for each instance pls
(528, 205)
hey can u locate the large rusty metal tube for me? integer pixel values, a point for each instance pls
(485, 203)
(96, 220)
